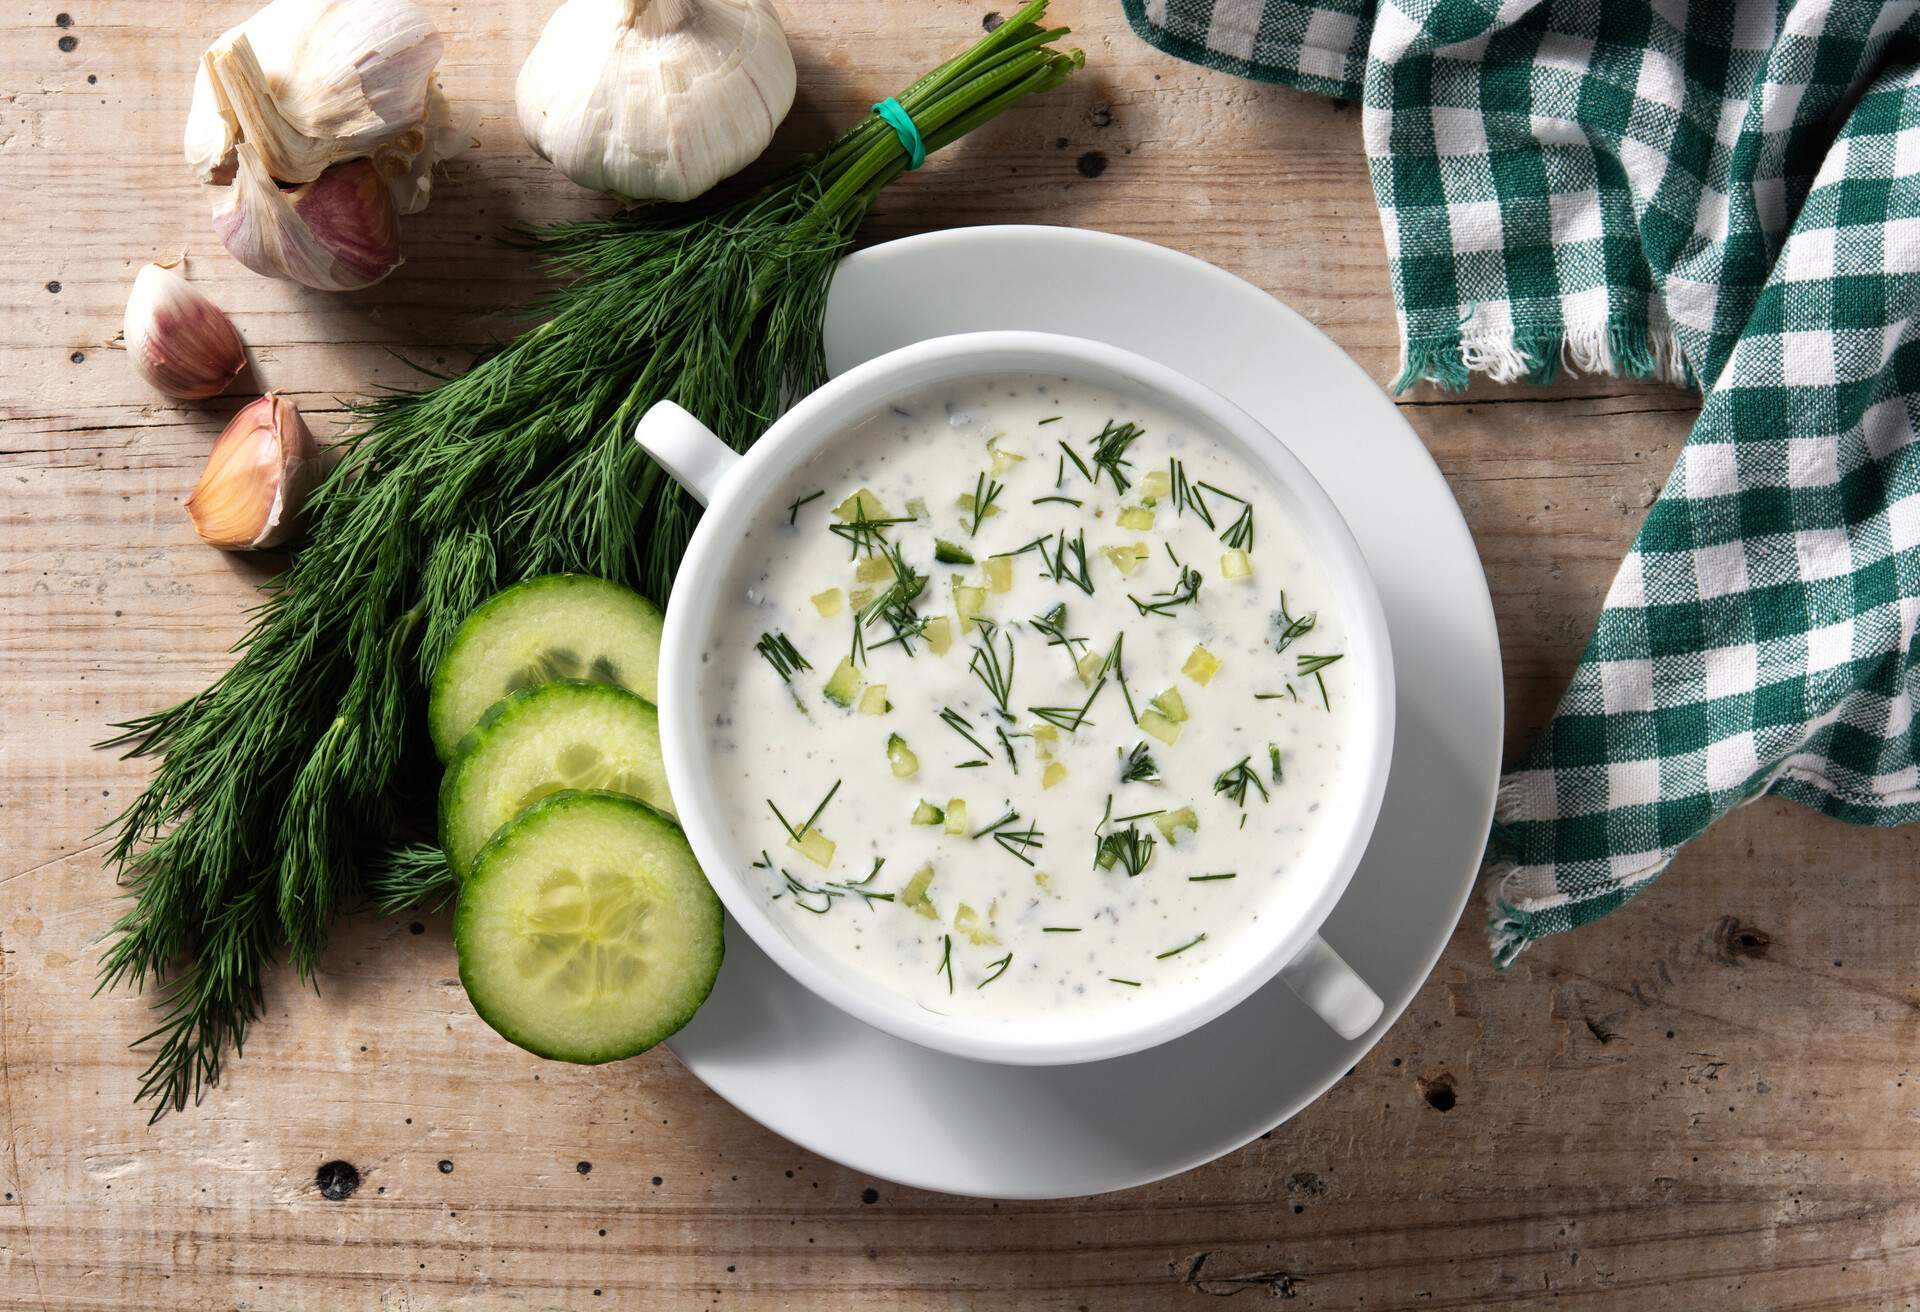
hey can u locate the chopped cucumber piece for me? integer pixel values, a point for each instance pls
(861, 505)
(872, 569)
(917, 507)
(1136, 517)
(1128, 557)
(558, 626)
(1003, 460)
(586, 931)
(844, 684)
(1090, 666)
(957, 816)
(1172, 705)
(900, 758)
(556, 737)
(939, 634)
(999, 572)
(965, 502)
(928, 814)
(1201, 666)
(1171, 823)
(1045, 738)
(969, 922)
(1044, 880)
(874, 700)
(1236, 564)
(914, 895)
(829, 603)
(948, 554)
(860, 597)
(1155, 486)
(814, 846)
(1167, 731)
(1053, 774)
(969, 601)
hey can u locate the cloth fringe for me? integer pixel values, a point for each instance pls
(1639, 349)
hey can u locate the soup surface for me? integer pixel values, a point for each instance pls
(1026, 699)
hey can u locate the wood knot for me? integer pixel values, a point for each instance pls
(1734, 941)
(1437, 1091)
(336, 1180)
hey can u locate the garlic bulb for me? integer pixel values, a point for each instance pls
(336, 233)
(304, 87)
(177, 338)
(655, 99)
(257, 478)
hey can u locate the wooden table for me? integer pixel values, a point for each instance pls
(1707, 1101)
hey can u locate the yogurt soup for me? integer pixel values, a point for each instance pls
(1028, 698)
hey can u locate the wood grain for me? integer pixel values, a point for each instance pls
(1706, 1102)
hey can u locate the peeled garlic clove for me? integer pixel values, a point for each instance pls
(312, 82)
(257, 478)
(655, 99)
(177, 338)
(337, 233)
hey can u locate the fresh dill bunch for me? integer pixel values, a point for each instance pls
(280, 786)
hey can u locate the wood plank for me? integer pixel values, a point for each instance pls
(1708, 1100)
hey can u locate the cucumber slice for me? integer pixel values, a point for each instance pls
(558, 626)
(539, 742)
(587, 932)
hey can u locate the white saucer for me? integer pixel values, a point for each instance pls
(889, 1109)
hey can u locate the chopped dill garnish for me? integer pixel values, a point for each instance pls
(958, 723)
(1289, 694)
(1313, 665)
(1070, 562)
(984, 491)
(1115, 665)
(1078, 463)
(1053, 419)
(1234, 780)
(793, 509)
(946, 960)
(1185, 498)
(1071, 501)
(1053, 626)
(782, 655)
(1015, 842)
(864, 533)
(1059, 929)
(796, 833)
(1130, 983)
(1292, 628)
(1273, 756)
(1110, 454)
(895, 604)
(996, 674)
(1183, 593)
(1174, 952)
(1013, 762)
(1203, 879)
(1239, 534)
(999, 967)
(1070, 718)
(1130, 848)
(1139, 767)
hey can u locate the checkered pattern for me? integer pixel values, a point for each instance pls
(1722, 194)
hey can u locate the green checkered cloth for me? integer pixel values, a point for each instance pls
(1724, 195)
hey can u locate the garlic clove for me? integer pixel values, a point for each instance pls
(257, 478)
(313, 82)
(447, 134)
(179, 340)
(338, 233)
(655, 99)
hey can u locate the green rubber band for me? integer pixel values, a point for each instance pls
(895, 116)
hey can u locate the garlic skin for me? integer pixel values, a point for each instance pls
(655, 99)
(179, 340)
(257, 478)
(338, 233)
(301, 89)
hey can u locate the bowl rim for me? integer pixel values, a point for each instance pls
(814, 422)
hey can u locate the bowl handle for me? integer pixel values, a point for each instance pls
(1319, 978)
(686, 448)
